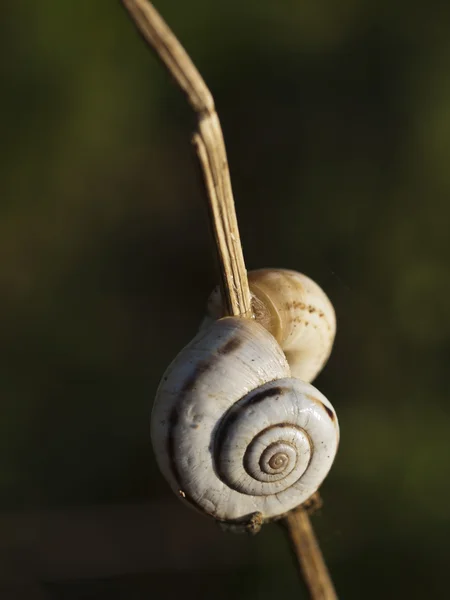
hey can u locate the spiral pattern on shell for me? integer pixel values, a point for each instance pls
(233, 432)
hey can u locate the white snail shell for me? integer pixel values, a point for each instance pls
(233, 432)
(296, 311)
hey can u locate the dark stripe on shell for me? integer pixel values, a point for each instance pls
(231, 346)
(187, 387)
(269, 393)
(328, 410)
(330, 413)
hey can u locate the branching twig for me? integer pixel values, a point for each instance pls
(235, 290)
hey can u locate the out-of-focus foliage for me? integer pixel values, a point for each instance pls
(337, 122)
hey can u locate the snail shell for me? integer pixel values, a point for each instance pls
(233, 432)
(296, 311)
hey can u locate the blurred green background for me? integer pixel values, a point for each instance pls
(336, 117)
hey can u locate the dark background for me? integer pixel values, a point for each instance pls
(337, 122)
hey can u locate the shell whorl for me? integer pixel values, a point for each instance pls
(296, 311)
(233, 432)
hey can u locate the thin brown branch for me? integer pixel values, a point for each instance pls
(306, 550)
(211, 151)
(210, 147)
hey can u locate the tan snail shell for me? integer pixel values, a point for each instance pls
(296, 311)
(233, 432)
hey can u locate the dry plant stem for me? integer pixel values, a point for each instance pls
(307, 551)
(211, 151)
